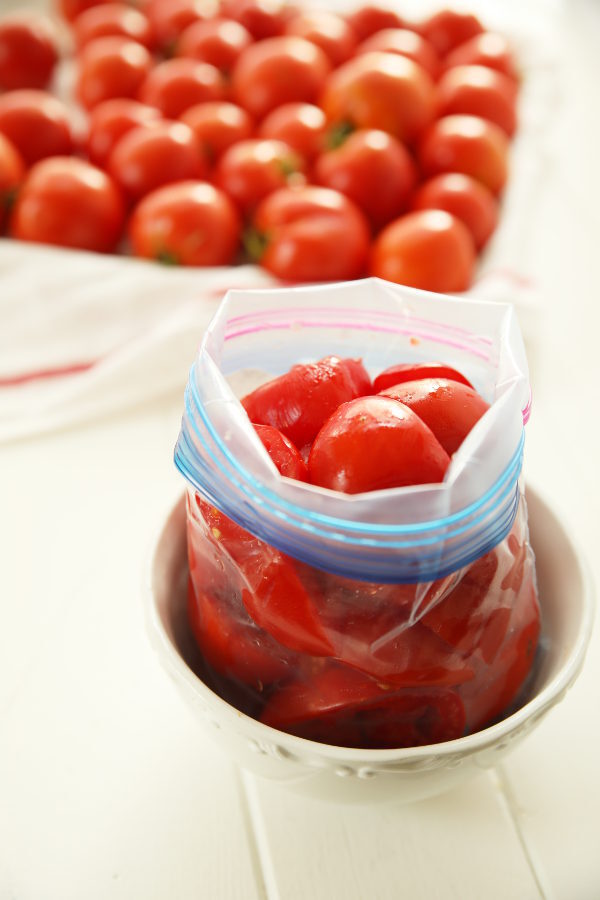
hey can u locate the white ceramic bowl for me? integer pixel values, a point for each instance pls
(353, 775)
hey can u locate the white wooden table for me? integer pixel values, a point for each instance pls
(108, 787)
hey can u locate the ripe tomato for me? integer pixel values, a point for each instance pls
(298, 402)
(36, 123)
(448, 408)
(447, 29)
(111, 67)
(370, 444)
(218, 42)
(373, 169)
(190, 223)
(217, 126)
(414, 372)
(285, 456)
(467, 199)
(381, 90)
(155, 154)
(112, 19)
(466, 144)
(370, 19)
(311, 234)
(250, 170)
(262, 18)
(301, 125)
(12, 172)
(68, 202)
(328, 31)
(405, 43)
(170, 18)
(71, 9)
(110, 121)
(479, 91)
(28, 52)
(176, 85)
(430, 249)
(276, 71)
(487, 49)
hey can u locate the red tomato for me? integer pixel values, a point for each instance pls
(448, 408)
(342, 706)
(447, 29)
(12, 172)
(176, 85)
(218, 42)
(279, 70)
(36, 123)
(112, 19)
(381, 90)
(262, 18)
(430, 249)
(373, 169)
(170, 18)
(68, 202)
(71, 9)
(155, 154)
(370, 19)
(217, 126)
(298, 402)
(466, 144)
(370, 444)
(110, 121)
(286, 457)
(301, 125)
(479, 91)
(250, 170)
(405, 43)
(329, 32)
(111, 67)
(190, 223)
(464, 198)
(311, 234)
(487, 49)
(28, 52)
(413, 372)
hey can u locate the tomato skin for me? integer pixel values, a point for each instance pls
(463, 197)
(155, 154)
(312, 234)
(369, 19)
(36, 123)
(70, 203)
(372, 168)
(428, 249)
(405, 43)
(448, 408)
(381, 90)
(250, 170)
(217, 41)
(276, 71)
(466, 144)
(189, 223)
(71, 9)
(111, 67)
(112, 20)
(487, 49)
(300, 125)
(110, 121)
(176, 85)
(398, 374)
(328, 31)
(262, 18)
(170, 18)
(12, 172)
(479, 91)
(298, 402)
(28, 52)
(217, 126)
(447, 29)
(284, 454)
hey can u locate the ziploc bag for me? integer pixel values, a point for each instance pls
(386, 619)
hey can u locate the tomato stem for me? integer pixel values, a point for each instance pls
(255, 243)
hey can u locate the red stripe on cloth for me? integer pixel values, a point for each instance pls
(43, 374)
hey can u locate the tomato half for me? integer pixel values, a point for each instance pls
(28, 52)
(301, 125)
(217, 126)
(111, 67)
(217, 41)
(112, 19)
(250, 170)
(176, 85)
(36, 123)
(413, 372)
(479, 91)
(284, 454)
(405, 43)
(467, 144)
(328, 31)
(12, 172)
(110, 121)
(464, 197)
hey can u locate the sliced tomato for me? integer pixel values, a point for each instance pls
(415, 372)
(286, 457)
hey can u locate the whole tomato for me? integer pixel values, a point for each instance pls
(310, 234)
(218, 42)
(373, 169)
(301, 125)
(405, 43)
(403, 372)
(487, 49)
(111, 67)
(276, 71)
(328, 31)
(68, 202)
(110, 121)
(250, 170)
(479, 91)
(112, 19)
(36, 123)
(369, 19)
(381, 90)
(12, 172)
(190, 223)
(217, 126)
(28, 52)
(430, 249)
(175, 85)
(170, 18)
(155, 154)
(466, 144)
(262, 18)
(467, 199)
(71, 9)
(447, 29)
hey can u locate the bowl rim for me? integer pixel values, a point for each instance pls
(467, 744)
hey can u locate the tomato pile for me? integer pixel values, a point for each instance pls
(321, 146)
(349, 662)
